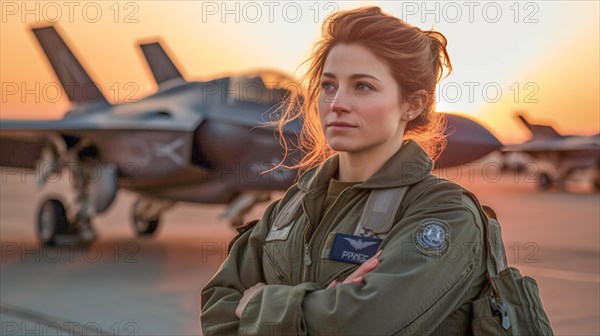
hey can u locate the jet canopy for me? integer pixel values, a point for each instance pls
(260, 86)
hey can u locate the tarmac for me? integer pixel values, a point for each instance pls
(123, 285)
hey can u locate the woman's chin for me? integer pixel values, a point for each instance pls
(342, 147)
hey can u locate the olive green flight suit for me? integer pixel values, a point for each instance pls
(413, 291)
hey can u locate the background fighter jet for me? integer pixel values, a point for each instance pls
(199, 142)
(558, 156)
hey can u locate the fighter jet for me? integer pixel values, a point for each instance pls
(202, 142)
(558, 156)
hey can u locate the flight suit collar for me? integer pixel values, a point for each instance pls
(409, 165)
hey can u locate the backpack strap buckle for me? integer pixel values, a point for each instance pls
(500, 309)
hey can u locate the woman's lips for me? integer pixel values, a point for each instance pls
(340, 126)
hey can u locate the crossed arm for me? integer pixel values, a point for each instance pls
(354, 277)
(237, 301)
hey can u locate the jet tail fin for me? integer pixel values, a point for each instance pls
(162, 67)
(74, 79)
(540, 131)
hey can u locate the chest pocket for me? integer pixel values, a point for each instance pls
(279, 260)
(274, 269)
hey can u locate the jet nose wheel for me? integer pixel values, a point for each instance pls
(143, 227)
(52, 221)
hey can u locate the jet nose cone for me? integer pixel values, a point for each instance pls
(467, 141)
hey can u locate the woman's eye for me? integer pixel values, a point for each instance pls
(363, 87)
(326, 86)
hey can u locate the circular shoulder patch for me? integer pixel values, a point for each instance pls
(432, 237)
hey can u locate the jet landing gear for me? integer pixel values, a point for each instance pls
(52, 221)
(95, 186)
(242, 204)
(56, 229)
(146, 215)
(544, 182)
(145, 227)
(56, 226)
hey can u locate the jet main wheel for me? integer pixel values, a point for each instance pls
(52, 221)
(144, 227)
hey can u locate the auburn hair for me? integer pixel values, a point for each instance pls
(416, 59)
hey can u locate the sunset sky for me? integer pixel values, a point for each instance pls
(539, 57)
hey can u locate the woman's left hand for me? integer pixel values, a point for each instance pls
(357, 275)
(248, 294)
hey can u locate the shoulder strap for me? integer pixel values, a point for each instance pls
(381, 209)
(495, 244)
(496, 254)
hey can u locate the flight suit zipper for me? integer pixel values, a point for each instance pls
(307, 259)
(308, 243)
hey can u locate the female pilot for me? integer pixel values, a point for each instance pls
(328, 260)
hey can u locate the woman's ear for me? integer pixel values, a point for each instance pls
(417, 101)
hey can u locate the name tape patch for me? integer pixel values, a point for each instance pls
(353, 249)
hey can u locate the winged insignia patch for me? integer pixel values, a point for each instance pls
(359, 244)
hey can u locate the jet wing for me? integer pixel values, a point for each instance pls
(21, 141)
(80, 126)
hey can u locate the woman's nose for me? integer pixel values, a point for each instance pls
(339, 103)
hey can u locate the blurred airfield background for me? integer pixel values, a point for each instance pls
(542, 55)
(131, 286)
